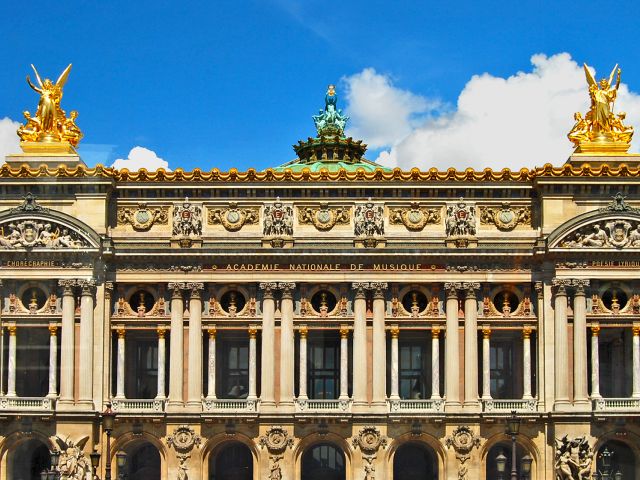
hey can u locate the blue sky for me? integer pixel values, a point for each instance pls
(234, 83)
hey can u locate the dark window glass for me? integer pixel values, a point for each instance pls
(502, 371)
(233, 369)
(413, 380)
(146, 369)
(323, 360)
(323, 462)
(414, 461)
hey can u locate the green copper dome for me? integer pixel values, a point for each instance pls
(330, 149)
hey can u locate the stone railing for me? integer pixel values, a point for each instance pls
(141, 406)
(415, 406)
(229, 405)
(304, 405)
(616, 404)
(27, 404)
(509, 405)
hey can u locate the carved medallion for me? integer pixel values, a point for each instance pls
(369, 440)
(187, 219)
(415, 218)
(506, 217)
(142, 218)
(463, 441)
(233, 218)
(278, 219)
(324, 218)
(368, 220)
(183, 440)
(276, 440)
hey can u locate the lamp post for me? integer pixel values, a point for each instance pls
(526, 466)
(52, 473)
(95, 461)
(501, 463)
(513, 428)
(605, 456)
(121, 461)
(108, 419)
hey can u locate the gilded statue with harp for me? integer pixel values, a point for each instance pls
(49, 128)
(601, 130)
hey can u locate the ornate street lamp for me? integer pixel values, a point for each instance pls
(605, 456)
(121, 461)
(108, 419)
(52, 473)
(501, 464)
(513, 428)
(526, 466)
(95, 462)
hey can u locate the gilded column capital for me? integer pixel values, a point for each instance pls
(121, 332)
(394, 331)
(486, 332)
(53, 329)
(287, 289)
(526, 332)
(435, 332)
(253, 331)
(176, 289)
(195, 288)
(268, 288)
(12, 330)
(595, 330)
(452, 288)
(470, 289)
(303, 331)
(67, 285)
(212, 331)
(636, 330)
(344, 331)
(360, 288)
(161, 331)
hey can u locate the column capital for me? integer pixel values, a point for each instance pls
(344, 331)
(287, 289)
(538, 286)
(253, 331)
(486, 332)
(580, 284)
(12, 330)
(394, 331)
(53, 329)
(452, 289)
(595, 330)
(176, 288)
(195, 288)
(526, 332)
(67, 285)
(470, 289)
(360, 288)
(108, 286)
(560, 285)
(435, 332)
(121, 332)
(268, 288)
(212, 331)
(636, 330)
(303, 331)
(378, 289)
(161, 331)
(87, 285)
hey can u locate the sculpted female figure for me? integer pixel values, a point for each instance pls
(49, 113)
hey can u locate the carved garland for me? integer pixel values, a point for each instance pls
(506, 217)
(324, 218)
(233, 218)
(142, 218)
(415, 218)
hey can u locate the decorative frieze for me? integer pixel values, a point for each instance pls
(233, 218)
(506, 217)
(324, 218)
(142, 217)
(38, 233)
(616, 233)
(414, 217)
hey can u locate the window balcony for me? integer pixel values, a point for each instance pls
(230, 405)
(320, 406)
(26, 404)
(496, 405)
(616, 404)
(138, 406)
(415, 406)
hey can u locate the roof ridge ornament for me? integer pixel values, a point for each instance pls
(618, 204)
(29, 204)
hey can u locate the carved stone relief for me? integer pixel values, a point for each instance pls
(415, 217)
(615, 234)
(183, 440)
(187, 219)
(505, 217)
(278, 219)
(368, 220)
(573, 458)
(142, 217)
(73, 464)
(233, 218)
(276, 440)
(39, 233)
(324, 218)
(463, 441)
(461, 219)
(369, 440)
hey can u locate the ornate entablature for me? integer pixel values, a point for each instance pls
(615, 227)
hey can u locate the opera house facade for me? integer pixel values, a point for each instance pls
(328, 318)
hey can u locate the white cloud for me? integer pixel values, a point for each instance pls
(9, 140)
(140, 157)
(519, 121)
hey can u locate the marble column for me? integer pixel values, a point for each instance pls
(176, 365)
(67, 347)
(344, 362)
(471, 346)
(211, 364)
(267, 368)
(194, 382)
(252, 395)
(162, 361)
(11, 366)
(561, 372)
(435, 363)
(580, 384)
(395, 364)
(526, 363)
(486, 363)
(452, 349)
(595, 362)
(379, 345)
(287, 346)
(359, 345)
(120, 363)
(85, 354)
(53, 361)
(302, 370)
(636, 362)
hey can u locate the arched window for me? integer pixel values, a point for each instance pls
(28, 460)
(143, 462)
(232, 462)
(504, 448)
(614, 457)
(414, 461)
(323, 461)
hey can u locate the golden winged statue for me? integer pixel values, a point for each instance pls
(601, 130)
(50, 125)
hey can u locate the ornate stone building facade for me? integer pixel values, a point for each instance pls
(329, 318)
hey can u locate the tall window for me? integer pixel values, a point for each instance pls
(146, 368)
(413, 378)
(323, 462)
(502, 371)
(324, 366)
(615, 356)
(32, 361)
(233, 369)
